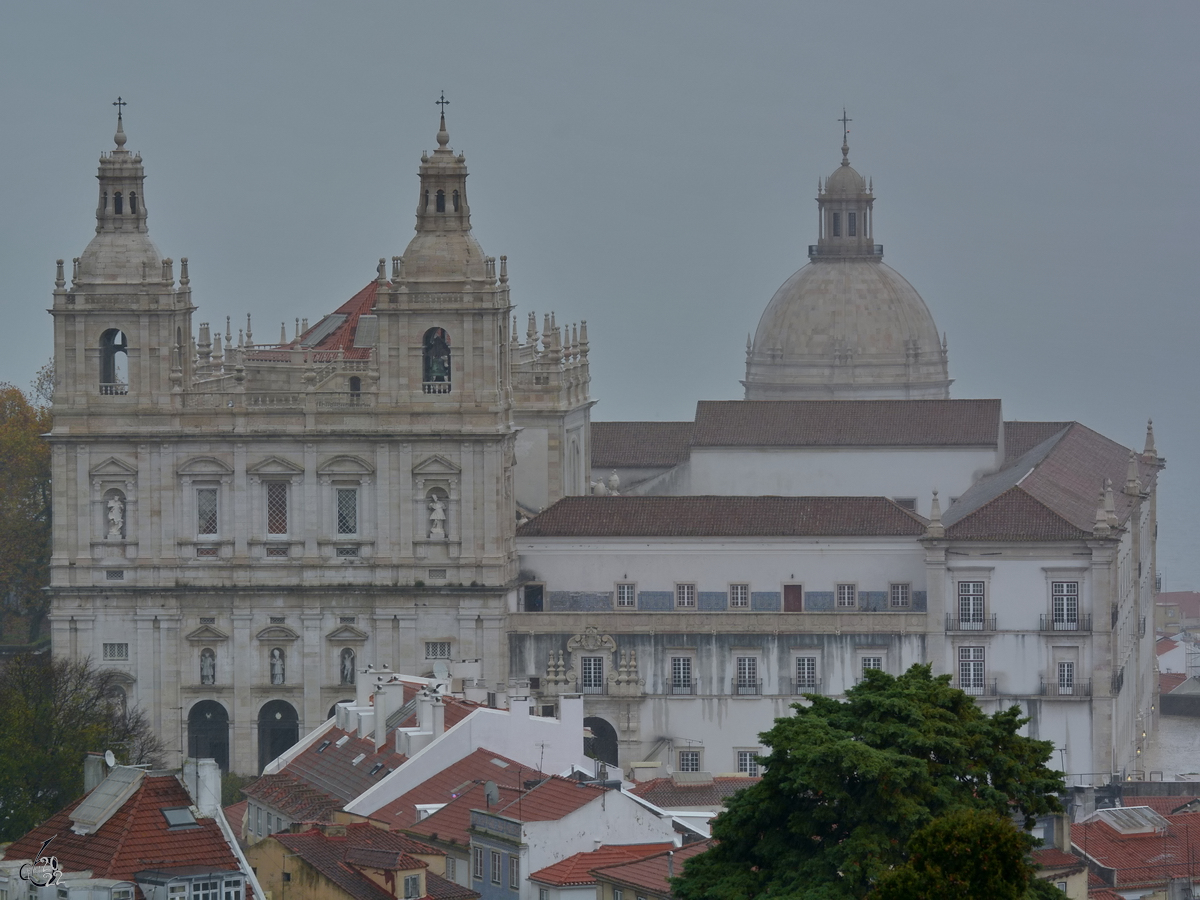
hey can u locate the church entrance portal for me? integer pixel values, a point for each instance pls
(278, 730)
(602, 745)
(208, 733)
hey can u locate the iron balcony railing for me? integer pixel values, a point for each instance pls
(746, 686)
(1061, 689)
(806, 686)
(979, 688)
(974, 623)
(587, 688)
(682, 687)
(1059, 623)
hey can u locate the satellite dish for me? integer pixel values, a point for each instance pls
(491, 793)
(109, 759)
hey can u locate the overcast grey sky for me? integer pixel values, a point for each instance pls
(651, 167)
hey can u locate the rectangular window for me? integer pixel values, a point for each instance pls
(206, 510)
(900, 596)
(1066, 678)
(746, 762)
(592, 672)
(514, 872)
(116, 652)
(233, 891)
(871, 662)
(689, 760)
(347, 510)
(206, 890)
(847, 596)
(478, 873)
(451, 866)
(1065, 597)
(495, 873)
(685, 596)
(852, 224)
(544, 894)
(177, 891)
(412, 887)
(747, 674)
(618, 894)
(681, 674)
(739, 596)
(437, 649)
(837, 224)
(277, 511)
(626, 596)
(534, 597)
(806, 672)
(258, 820)
(970, 670)
(970, 605)
(793, 598)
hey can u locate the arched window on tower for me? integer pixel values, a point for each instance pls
(837, 225)
(436, 362)
(454, 198)
(852, 224)
(132, 203)
(441, 201)
(355, 384)
(118, 206)
(114, 362)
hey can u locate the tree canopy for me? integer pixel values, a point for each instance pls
(52, 712)
(848, 784)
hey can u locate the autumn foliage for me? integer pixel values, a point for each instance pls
(24, 507)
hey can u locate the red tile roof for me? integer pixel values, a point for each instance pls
(1015, 516)
(439, 888)
(341, 338)
(1053, 858)
(847, 423)
(1143, 859)
(550, 800)
(235, 815)
(452, 781)
(651, 873)
(452, 823)
(338, 856)
(1021, 437)
(136, 837)
(576, 869)
(1168, 681)
(666, 793)
(1164, 806)
(637, 445)
(712, 516)
(1187, 601)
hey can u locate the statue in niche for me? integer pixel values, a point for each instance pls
(116, 516)
(208, 666)
(437, 517)
(347, 666)
(437, 355)
(276, 666)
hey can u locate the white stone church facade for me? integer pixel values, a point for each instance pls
(240, 527)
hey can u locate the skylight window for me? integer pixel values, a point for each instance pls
(499, 762)
(179, 817)
(375, 768)
(324, 744)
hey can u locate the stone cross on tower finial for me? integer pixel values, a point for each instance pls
(119, 137)
(443, 103)
(443, 137)
(119, 103)
(845, 120)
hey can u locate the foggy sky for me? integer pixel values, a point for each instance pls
(651, 168)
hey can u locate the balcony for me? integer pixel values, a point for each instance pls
(975, 623)
(746, 687)
(806, 686)
(1058, 689)
(113, 389)
(682, 687)
(1053, 623)
(978, 688)
(435, 387)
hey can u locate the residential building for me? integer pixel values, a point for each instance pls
(644, 879)
(1136, 851)
(572, 879)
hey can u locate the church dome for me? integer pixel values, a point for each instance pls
(846, 326)
(120, 257)
(443, 257)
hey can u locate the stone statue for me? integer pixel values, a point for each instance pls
(208, 667)
(116, 516)
(347, 666)
(437, 517)
(276, 666)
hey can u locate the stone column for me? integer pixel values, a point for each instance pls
(312, 654)
(243, 742)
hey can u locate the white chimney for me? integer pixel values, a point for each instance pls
(208, 793)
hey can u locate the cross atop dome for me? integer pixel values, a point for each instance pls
(845, 120)
(119, 137)
(443, 136)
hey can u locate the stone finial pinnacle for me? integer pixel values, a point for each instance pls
(1133, 484)
(1149, 449)
(935, 529)
(1101, 528)
(119, 137)
(845, 120)
(443, 136)
(1110, 504)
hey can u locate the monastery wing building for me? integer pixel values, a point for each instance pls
(241, 528)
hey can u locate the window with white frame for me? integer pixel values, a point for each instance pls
(685, 596)
(739, 596)
(900, 596)
(618, 894)
(495, 872)
(626, 595)
(689, 761)
(478, 864)
(412, 887)
(437, 649)
(747, 674)
(206, 890)
(233, 891)
(206, 511)
(747, 764)
(116, 652)
(451, 867)
(514, 872)
(970, 670)
(277, 508)
(347, 511)
(847, 596)
(681, 674)
(871, 662)
(1066, 677)
(591, 672)
(806, 672)
(1064, 596)
(544, 893)
(970, 605)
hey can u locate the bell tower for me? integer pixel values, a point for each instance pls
(122, 328)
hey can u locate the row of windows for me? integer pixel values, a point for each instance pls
(495, 872)
(972, 607)
(745, 760)
(899, 596)
(851, 224)
(440, 200)
(119, 203)
(972, 674)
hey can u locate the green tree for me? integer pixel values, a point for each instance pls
(51, 713)
(24, 507)
(848, 783)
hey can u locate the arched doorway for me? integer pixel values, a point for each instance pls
(278, 730)
(602, 745)
(208, 733)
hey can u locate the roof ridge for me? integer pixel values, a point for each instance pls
(137, 799)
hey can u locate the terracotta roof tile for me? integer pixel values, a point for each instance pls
(1014, 516)
(1168, 681)
(576, 869)
(666, 793)
(1187, 601)
(336, 856)
(333, 770)
(1143, 859)
(651, 873)
(452, 823)
(439, 888)
(341, 338)
(1021, 437)
(847, 423)
(640, 444)
(1164, 806)
(1053, 858)
(235, 815)
(135, 838)
(550, 800)
(711, 516)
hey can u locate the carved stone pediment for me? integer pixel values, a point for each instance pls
(207, 634)
(277, 633)
(113, 468)
(346, 633)
(275, 465)
(591, 640)
(205, 465)
(436, 465)
(345, 464)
